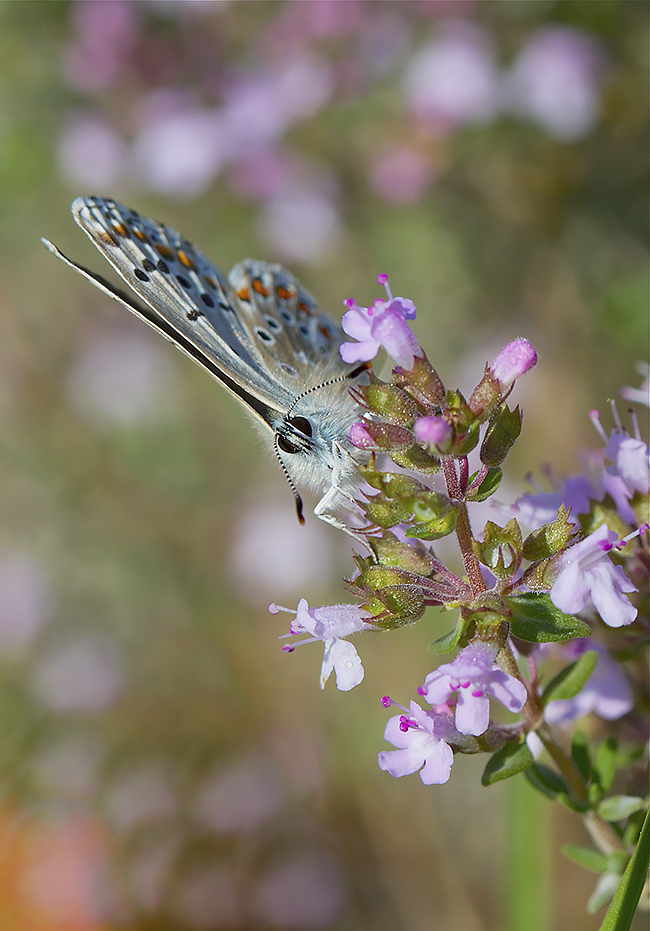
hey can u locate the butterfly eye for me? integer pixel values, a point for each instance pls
(300, 425)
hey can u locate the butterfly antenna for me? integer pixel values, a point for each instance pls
(298, 499)
(332, 381)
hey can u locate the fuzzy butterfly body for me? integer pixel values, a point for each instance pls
(258, 332)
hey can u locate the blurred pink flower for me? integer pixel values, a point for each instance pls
(26, 602)
(300, 225)
(239, 797)
(106, 32)
(607, 692)
(305, 890)
(261, 105)
(383, 40)
(119, 378)
(266, 173)
(554, 80)
(272, 556)
(453, 79)
(179, 153)
(401, 174)
(90, 153)
(83, 675)
(300, 22)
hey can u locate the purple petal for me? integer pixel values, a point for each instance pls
(508, 690)
(356, 323)
(346, 662)
(437, 768)
(472, 712)
(399, 762)
(437, 688)
(609, 582)
(359, 352)
(570, 590)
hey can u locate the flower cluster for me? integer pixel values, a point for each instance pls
(565, 593)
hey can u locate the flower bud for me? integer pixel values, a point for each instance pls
(422, 382)
(434, 433)
(386, 436)
(390, 402)
(515, 359)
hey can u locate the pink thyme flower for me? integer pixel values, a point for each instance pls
(382, 324)
(474, 676)
(586, 572)
(514, 360)
(433, 432)
(331, 624)
(607, 692)
(420, 740)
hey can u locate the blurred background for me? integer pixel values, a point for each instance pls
(162, 764)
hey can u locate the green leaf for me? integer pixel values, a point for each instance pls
(433, 529)
(500, 436)
(580, 754)
(618, 807)
(536, 619)
(626, 898)
(545, 780)
(571, 680)
(605, 764)
(487, 487)
(450, 641)
(575, 804)
(586, 857)
(508, 761)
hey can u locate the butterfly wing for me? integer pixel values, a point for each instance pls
(259, 327)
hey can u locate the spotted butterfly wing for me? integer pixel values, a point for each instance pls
(258, 332)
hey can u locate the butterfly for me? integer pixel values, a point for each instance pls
(258, 332)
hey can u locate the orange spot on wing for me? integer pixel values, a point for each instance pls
(119, 229)
(165, 252)
(105, 237)
(211, 281)
(185, 260)
(324, 331)
(139, 234)
(259, 287)
(304, 308)
(283, 293)
(244, 294)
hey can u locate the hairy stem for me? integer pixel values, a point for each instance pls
(463, 527)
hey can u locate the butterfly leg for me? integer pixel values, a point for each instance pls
(334, 497)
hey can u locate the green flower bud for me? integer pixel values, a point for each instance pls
(422, 383)
(390, 402)
(549, 539)
(389, 551)
(501, 548)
